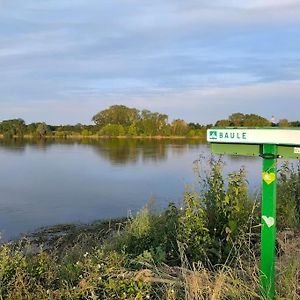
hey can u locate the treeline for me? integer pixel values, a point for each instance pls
(252, 120)
(117, 120)
(18, 128)
(120, 120)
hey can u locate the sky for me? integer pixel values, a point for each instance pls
(62, 61)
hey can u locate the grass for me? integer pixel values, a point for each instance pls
(88, 268)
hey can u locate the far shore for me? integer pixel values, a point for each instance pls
(79, 137)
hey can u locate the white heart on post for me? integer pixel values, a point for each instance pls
(269, 221)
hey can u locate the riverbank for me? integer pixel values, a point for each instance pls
(92, 261)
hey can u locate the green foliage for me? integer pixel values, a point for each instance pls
(116, 114)
(193, 233)
(152, 237)
(288, 197)
(295, 124)
(196, 126)
(86, 132)
(179, 127)
(42, 130)
(224, 123)
(15, 127)
(132, 130)
(215, 222)
(201, 133)
(284, 123)
(112, 130)
(120, 120)
(152, 123)
(247, 120)
(208, 228)
(61, 134)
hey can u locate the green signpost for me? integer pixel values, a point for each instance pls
(270, 144)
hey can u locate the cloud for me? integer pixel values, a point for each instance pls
(206, 105)
(280, 98)
(62, 53)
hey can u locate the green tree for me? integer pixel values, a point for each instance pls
(223, 123)
(284, 123)
(132, 130)
(14, 127)
(253, 120)
(236, 119)
(86, 132)
(112, 130)
(42, 130)
(116, 114)
(152, 123)
(244, 120)
(295, 124)
(31, 128)
(195, 126)
(179, 127)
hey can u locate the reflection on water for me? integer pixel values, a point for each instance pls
(46, 182)
(117, 151)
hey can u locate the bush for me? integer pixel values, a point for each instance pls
(193, 233)
(151, 236)
(216, 220)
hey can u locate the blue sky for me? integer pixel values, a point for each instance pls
(61, 61)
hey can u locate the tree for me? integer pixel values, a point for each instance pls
(223, 123)
(14, 127)
(42, 130)
(116, 114)
(152, 123)
(253, 120)
(86, 132)
(179, 127)
(284, 123)
(244, 120)
(236, 119)
(195, 126)
(112, 130)
(132, 130)
(295, 124)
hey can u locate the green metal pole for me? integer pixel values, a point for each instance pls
(268, 231)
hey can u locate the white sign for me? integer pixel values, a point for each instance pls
(297, 150)
(255, 136)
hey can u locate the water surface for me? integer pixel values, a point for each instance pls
(46, 182)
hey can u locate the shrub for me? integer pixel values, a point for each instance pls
(152, 236)
(215, 221)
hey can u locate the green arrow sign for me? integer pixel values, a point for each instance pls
(270, 144)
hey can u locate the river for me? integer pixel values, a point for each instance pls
(50, 182)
